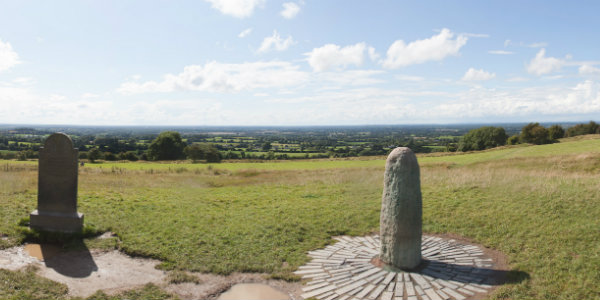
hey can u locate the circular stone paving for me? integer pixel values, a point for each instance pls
(344, 271)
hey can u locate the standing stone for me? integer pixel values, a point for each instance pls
(57, 187)
(401, 211)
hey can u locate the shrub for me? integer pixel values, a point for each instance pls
(513, 140)
(581, 129)
(535, 133)
(167, 146)
(483, 138)
(555, 132)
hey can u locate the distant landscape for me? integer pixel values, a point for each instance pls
(262, 143)
(538, 204)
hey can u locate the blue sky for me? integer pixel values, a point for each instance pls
(264, 62)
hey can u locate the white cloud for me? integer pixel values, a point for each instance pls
(507, 43)
(537, 45)
(290, 10)
(24, 80)
(333, 56)
(89, 95)
(500, 52)
(245, 33)
(584, 98)
(348, 78)
(477, 75)
(275, 42)
(219, 77)
(8, 57)
(236, 8)
(541, 64)
(476, 35)
(409, 77)
(586, 69)
(435, 48)
(372, 54)
(517, 79)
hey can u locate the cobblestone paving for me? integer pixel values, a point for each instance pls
(343, 271)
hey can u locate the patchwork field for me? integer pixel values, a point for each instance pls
(540, 205)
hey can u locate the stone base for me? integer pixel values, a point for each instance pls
(50, 221)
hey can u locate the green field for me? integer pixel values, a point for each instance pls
(540, 205)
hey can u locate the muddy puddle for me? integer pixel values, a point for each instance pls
(253, 291)
(42, 251)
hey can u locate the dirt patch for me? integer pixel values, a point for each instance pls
(214, 285)
(253, 291)
(85, 272)
(43, 251)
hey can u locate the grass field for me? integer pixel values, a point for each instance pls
(540, 205)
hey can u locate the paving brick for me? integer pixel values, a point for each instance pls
(318, 291)
(376, 292)
(314, 287)
(432, 294)
(365, 291)
(350, 287)
(387, 295)
(453, 294)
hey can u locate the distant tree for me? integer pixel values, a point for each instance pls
(555, 132)
(194, 152)
(266, 146)
(212, 155)
(483, 138)
(167, 146)
(205, 151)
(22, 155)
(129, 155)
(513, 140)
(110, 156)
(94, 154)
(581, 129)
(535, 133)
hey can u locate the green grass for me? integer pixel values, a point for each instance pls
(540, 205)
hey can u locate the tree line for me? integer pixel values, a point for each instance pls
(533, 133)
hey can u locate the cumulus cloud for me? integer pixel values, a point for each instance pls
(435, 48)
(219, 77)
(245, 33)
(541, 64)
(89, 95)
(275, 42)
(333, 56)
(8, 57)
(551, 102)
(477, 75)
(586, 69)
(290, 10)
(236, 8)
(500, 52)
(372, 54)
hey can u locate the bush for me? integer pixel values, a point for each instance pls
(94, 154)
(555, 132)
(513, 140)
(205, 151)
(483, 138)
(110, 156)
(167, 146)
(581, 129)
(535, 133)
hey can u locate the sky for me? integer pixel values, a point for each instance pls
(300, 62)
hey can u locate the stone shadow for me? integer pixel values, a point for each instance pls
(77, 263)
(469, 274)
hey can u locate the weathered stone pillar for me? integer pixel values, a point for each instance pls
(57, 187)
(401, 211)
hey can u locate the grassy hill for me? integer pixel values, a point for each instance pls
(540, 205)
